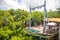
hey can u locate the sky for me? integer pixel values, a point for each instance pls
(24, 4)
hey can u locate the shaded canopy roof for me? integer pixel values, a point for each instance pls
(54, 19)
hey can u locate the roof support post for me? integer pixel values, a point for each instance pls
(30, 17)
(45, 16)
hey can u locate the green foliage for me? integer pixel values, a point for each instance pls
(37, 17)
(58, 12)
(52, 14)
(12, 26)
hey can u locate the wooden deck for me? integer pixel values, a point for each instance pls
(40, 28)
(43, 35)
